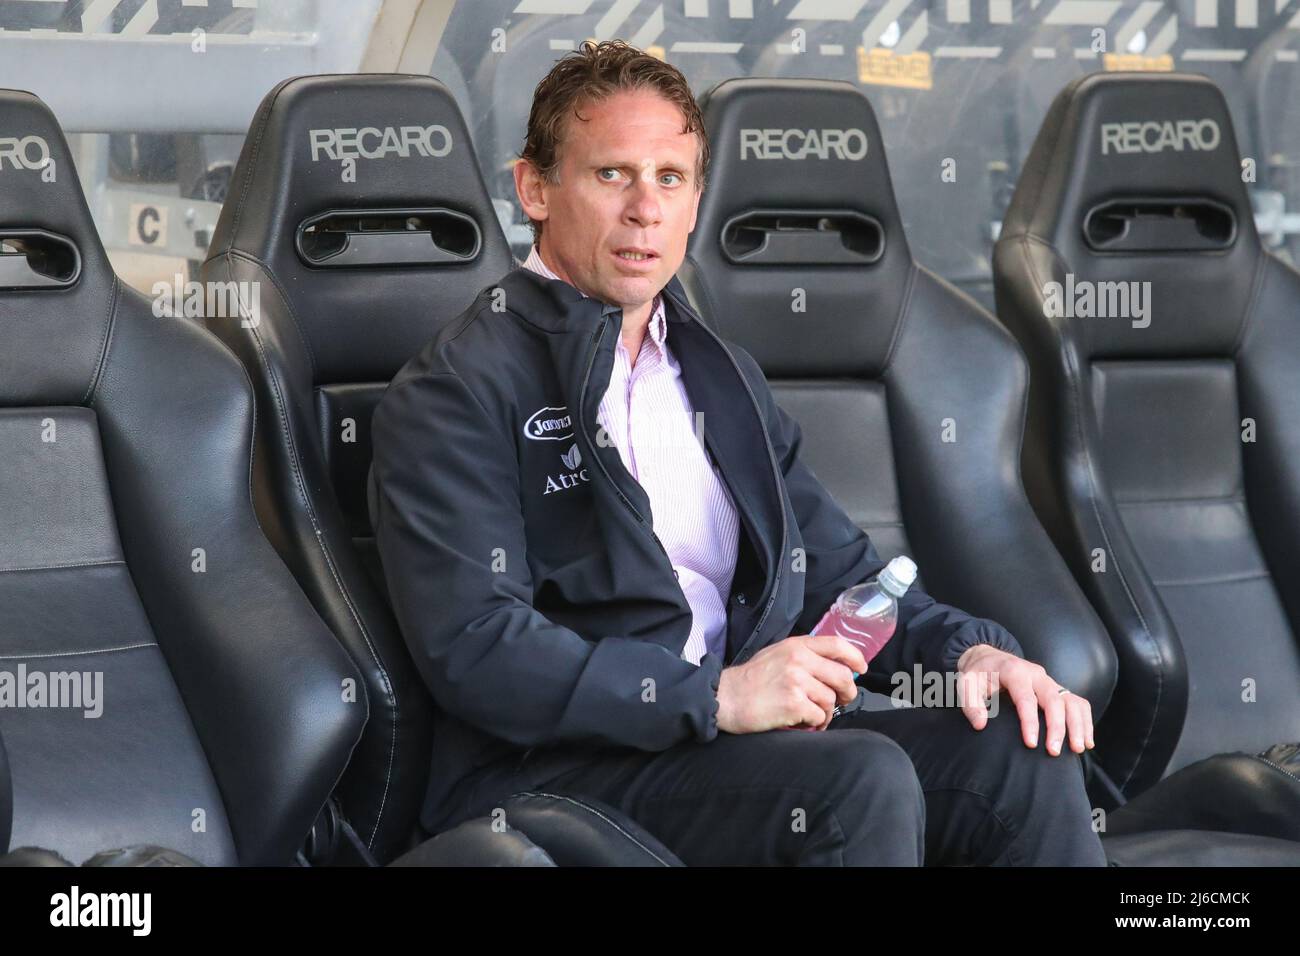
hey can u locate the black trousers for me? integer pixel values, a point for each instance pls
(876, 788)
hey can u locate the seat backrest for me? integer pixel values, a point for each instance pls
(1162, 452)
(358, 217)
(167, 681)
(910, 396)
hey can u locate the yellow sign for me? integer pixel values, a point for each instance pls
(887, 68)
(1116, 62)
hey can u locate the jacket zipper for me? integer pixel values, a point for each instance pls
(771, 457)
(582, 423)
(767, 442)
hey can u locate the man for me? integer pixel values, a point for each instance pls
(604, 604)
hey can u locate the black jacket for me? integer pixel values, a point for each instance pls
(540, 607)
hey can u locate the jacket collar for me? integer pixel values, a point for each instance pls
(552, 305)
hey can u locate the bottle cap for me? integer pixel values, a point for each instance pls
(898, 576)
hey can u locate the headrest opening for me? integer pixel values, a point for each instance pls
(830, 237)
(388, 237)
(1160, 225)
(37, 259)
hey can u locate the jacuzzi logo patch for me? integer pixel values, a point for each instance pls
(551, 423)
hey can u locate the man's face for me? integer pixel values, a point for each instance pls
(627, 185)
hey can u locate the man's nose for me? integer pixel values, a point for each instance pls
(643, 203)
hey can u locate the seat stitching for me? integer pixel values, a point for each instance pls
(1215, 579)
(102, 650)
(1073, 396)
(288, 303)
(60, 567)
(104, 344)
(904, 310)
(263, 121)
(325, 550)
(592, 810)
(1257, 284)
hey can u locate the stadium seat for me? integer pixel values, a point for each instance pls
(910, 396)
(358, 245)
(1161, 450)
(192, 699)
(355, 271)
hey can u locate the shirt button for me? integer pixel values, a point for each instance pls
(676, 575)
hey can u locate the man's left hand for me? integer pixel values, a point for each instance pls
(985, 669)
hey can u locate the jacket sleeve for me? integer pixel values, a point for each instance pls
(450, 533)
(838, 554)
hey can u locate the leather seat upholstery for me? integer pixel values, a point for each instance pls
(877, 358)
(544, 829)
(1162, 450)
(132, 567)
(910, 396)
(583, 831)
(388, 159)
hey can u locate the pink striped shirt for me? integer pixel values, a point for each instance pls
(648, 415)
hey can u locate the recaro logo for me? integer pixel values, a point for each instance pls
(542, 426)
(803, 144)
(1153, 136)
(27, 152)
(370, 142)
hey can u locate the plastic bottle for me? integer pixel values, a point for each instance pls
(866, 614)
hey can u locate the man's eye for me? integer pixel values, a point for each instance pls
(672, 176)
(607, 169)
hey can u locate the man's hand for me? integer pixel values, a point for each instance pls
(794, 682)
(985, 668)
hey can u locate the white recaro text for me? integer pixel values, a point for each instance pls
(802, 143)
(1155, 137)
(28, 152)
(372, 143)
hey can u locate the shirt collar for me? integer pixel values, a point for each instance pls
(658, 323)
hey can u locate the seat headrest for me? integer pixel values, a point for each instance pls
(56, 283)
(361, 196)
(1136, 177)
(799, 244)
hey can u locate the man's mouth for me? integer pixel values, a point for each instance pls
(635, 255)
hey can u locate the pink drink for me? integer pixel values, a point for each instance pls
(867, 614)
(868, 623)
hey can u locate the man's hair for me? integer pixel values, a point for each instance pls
(591, 73)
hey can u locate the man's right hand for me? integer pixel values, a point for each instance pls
(794, 682)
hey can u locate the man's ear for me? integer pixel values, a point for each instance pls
(695, 210)
(528, 184)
